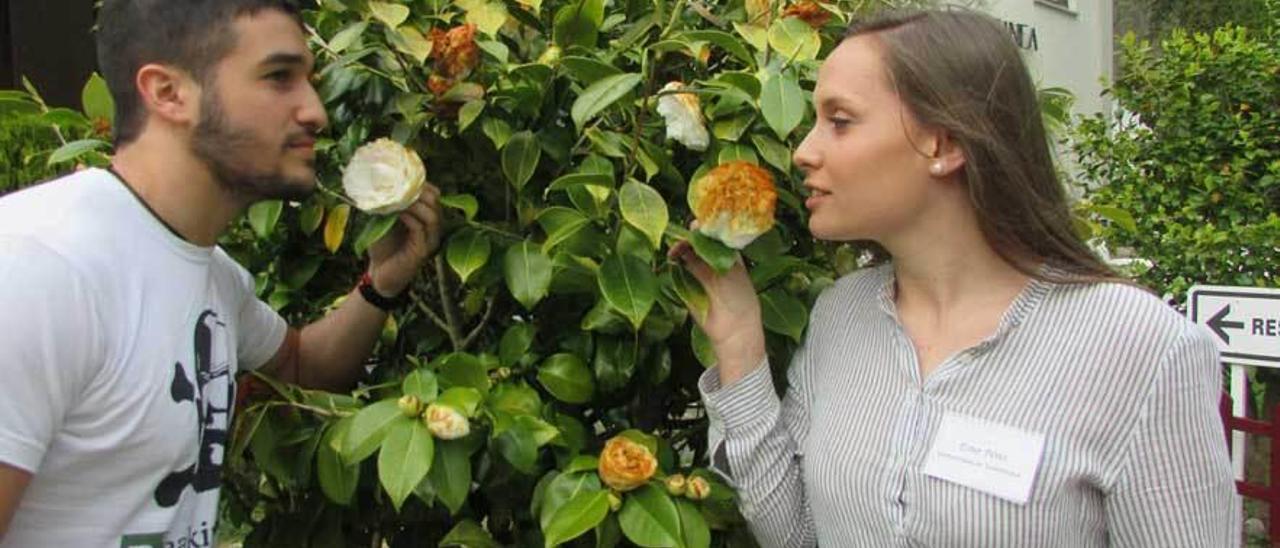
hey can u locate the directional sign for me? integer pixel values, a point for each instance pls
(1245, 321)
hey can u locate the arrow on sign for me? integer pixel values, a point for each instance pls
(1219, 324)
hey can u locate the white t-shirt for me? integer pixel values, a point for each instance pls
(119, 342)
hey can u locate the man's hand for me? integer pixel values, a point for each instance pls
(13, 482)
(396, 259)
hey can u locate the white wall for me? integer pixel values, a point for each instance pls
(1072, 46)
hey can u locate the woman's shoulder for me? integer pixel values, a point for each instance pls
(1118, 306)
(862, 285)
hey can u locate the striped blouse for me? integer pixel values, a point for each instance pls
(1123, 388)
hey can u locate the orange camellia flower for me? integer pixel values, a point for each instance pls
(625, 464)
(734, 202)
(455, 51)
(809, 12)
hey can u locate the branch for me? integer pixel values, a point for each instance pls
(475, 332)
(446, 302)
(435, 318)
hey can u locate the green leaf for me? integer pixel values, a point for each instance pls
(463, 398)
(515, 343)
(794, 39)
(374, 230)
(391, 15)
(582, 463)
(563, 488)
(702, 347)
(468, 534)
(723, 39)
(567, 378)
(782, 103)
(755, 35)
(498, 131)
(734, 152)
(649, 518)
(748, 83)
(519, 448)
(310, 216)
(263, 217)
(629, 286)
(465, 203)
(461, 369)
(581, 514)
(644, 208)
(515, 399)
(96, 100)
(587, 70)
(694, 532)
(368, 430)
(411, 42)
(487, 16)
(421, 383)
(338, 479)
(609, 143)
(578, 24)
(601, 95)
(721, 257)
(450, 474)
(560, 224)
(347, 36)
(784, 314)
(468, 114)
(468, 252)
(520, 157)
(528, 273)
(405, 458)
(575, 179)
(75, 149)
(691, 293)
(775, 153)
(614, 363)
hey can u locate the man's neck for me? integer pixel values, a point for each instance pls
(178, 188)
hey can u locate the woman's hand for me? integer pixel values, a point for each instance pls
(733, 323)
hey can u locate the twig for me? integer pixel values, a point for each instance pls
(475, 331)
(446, 302)
(435, 318)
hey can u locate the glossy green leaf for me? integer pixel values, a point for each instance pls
(468, 114)
(528, 273)
(520, 158)
(468, 251)
(450, 474)
(263, 217)
(75, 149)
(338, 479)
(775, 153)
(465, 399)
(735, 153)
(782, 102)
(468, 534)
(794, 39)
(560, 224)
(96, 100)
(411, 42)
(587, 70)
(629, 286)
(701, 345)
(377, 227)
(565, 182)
(405, 458)
(694, 532)
(577, 516)
(347, 36)
(649, 518)
(783, 314)
(721, 257)
(460, 369)
(368, 430)
(421, 383)
(561, 489)
(391, 15)
(691, 293)
(578, 24)
(601, 95)
(567, 378)
(755, 35)
(724, 40)
(465, 203)
(515, 343)
(644, 208)
(309, 217)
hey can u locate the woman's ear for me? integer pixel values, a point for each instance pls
(947, 157)
(168, 94)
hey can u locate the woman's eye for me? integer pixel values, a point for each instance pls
(838, 122)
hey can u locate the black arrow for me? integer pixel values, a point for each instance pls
(1219, 324)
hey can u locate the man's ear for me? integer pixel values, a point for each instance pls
(169, 94)
(948, 157)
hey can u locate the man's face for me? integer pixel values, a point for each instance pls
(259, 113)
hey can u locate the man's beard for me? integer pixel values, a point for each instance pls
(224, 149)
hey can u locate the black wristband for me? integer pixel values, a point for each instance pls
(371, 295)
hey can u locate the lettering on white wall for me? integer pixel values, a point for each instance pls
(1023, 35)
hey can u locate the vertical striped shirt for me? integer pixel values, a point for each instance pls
(1123, 388)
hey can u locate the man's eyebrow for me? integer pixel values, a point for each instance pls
(284, 59)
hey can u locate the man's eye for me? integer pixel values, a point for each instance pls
(279, 76)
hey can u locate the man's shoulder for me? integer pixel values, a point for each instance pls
(52, 208)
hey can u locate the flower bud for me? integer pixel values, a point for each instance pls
(410, 405)
(384, 177)
(445, 422)
(615, 502)
(676, 484)
(683, 114)
(625, 464)
(551, 56)
(734, 202)
(699, 488)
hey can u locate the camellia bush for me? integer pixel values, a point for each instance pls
(539, 388)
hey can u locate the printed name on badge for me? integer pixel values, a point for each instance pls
(987, 456)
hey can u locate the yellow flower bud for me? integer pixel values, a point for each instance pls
(410, 405)
(615, 502)
(699, 488)
(445, 422)
(676, 485)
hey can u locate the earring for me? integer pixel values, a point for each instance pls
(936, 168)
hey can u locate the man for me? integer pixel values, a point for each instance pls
(122, 324)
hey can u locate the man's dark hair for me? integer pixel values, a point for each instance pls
(191, 35)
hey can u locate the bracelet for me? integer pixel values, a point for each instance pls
(371, 295)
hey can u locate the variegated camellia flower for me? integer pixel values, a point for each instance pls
(734, 202)
(384, 177)
(445, 422)
(683, 114)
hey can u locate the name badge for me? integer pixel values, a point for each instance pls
(987, 456)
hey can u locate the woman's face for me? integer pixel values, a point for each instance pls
(866, 156)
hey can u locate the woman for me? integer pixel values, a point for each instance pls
(995, 384)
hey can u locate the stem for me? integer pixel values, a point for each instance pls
(675, 16)
(435, 318)
(475, 331)
(446, 302)
(498, 231)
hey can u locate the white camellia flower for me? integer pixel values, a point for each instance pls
(445, 422)
(384, 177)
(683, 114)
